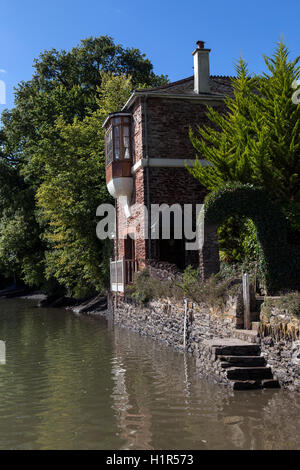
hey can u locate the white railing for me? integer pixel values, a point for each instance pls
(122, 273)
(117, 278)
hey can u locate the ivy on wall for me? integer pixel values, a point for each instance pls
(280, 262)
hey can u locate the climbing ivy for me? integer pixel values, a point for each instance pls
(279, 261)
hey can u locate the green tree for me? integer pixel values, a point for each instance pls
(51, 146)
(73, 185)
(256, 141)
(20, 246)
(224, 143)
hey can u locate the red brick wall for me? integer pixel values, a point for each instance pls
(168, 126)
(124, 224)
(167, 131)
(138, 195)
(174, 185)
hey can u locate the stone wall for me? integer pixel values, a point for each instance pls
(163, 320)
(284, 357)
(280, 343)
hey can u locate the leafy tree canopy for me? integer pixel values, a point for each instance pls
(52, 173)
(258, 140)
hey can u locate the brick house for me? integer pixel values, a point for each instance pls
(147, 150)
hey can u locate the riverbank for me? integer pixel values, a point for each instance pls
(191, 328)
(82, 383)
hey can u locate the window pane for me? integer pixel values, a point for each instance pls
(109, 147)
(116, 142)
(126, 142)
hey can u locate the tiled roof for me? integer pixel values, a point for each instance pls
(218, 85)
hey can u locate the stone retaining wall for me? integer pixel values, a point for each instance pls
(284, 357)
(280, 344)
(163, 320)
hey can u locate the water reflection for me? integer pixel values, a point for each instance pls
(80, 383)
(2, 352)
(175, 409)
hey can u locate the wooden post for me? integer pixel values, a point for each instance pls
(246, 299)
(110, 276)
(184, 324)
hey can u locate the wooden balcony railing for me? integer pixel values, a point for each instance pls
(131, 267)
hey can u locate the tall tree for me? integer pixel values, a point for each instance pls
(257, 141)
(72, 188)
(52, 140)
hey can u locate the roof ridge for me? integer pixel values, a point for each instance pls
(167, 85)
(222, 76)
(179, 82)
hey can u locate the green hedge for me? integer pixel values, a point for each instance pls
(280, 262)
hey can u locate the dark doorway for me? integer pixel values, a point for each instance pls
(172, 251)
(172, 248)
(129, 248)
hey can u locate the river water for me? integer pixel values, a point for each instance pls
(70, 382)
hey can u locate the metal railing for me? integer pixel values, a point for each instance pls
(117, 283)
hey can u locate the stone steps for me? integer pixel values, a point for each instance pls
(242, 363)
(270, 383)
(252, 373)
(251, 336)
(238, 350)
(246, 385)
(255, 384)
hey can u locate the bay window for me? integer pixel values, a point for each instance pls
(117, 139)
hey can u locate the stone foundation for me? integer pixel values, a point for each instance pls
(280, 344)
(163, 320)
(284, 357)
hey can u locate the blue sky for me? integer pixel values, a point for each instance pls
(165, 30)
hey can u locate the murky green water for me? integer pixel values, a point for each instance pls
(77, 383)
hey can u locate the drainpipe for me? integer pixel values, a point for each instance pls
(147, 175)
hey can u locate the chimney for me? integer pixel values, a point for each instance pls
(201, 68)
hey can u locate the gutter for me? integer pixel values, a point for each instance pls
(202, 98)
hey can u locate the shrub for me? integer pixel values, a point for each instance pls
(146, 288)
(279, 262)
(289, 303)
(213, 292)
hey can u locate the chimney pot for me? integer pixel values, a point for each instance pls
(200, 44)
